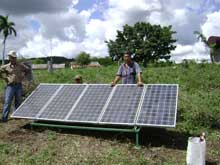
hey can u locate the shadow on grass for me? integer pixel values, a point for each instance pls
(154, 137)
(211, 163)
(157, 137)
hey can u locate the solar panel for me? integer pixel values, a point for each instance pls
(36, 101)
(123, 106)
(151, 105)
(62, 103)
(159, 106)
(91, 104)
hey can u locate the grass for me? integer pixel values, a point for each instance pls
(198, 110)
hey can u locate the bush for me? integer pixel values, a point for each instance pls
(83, 58)
(38, 61)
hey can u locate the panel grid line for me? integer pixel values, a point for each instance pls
(158, 107)
(63, 102)
(48, 102)
(34, 104)
(177, 93)
(164, 103)
(91, 104)
(123, 106)
(140, 104)
(72, 109)
(107, 103)
(25, 102)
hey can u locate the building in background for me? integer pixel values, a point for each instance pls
(215, 41)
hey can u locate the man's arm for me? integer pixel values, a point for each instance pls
(138, 71)
(25, 69)
(3, 74)
(117, 78)
(139, 79)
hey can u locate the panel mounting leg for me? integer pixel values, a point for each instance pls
(137, 130)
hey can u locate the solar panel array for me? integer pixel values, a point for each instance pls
(123, 106)
(36, 101)
(159, 106)
(90, 106)
(62, 102)
(150, 105)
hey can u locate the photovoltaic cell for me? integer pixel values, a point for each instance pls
(62, 102)
(32, 105)
(123, 105)
(159, 106)
(91, 104)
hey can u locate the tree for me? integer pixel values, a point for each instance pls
(145, 41)
(212, 47)
(7, 28)
(83, 58)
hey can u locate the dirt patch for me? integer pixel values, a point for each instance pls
(94, 147)
(66, 146)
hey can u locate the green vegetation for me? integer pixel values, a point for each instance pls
(7, 28)
(83, 58)
(199, 95)
(198, 110)
(212, 46)
(105, 61)
(147, 42)
(38, 61)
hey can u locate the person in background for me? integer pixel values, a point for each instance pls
(128, 72)
(78, 79)
(13, 73)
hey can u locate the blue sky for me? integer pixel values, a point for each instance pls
(35, 25)
(88, 4)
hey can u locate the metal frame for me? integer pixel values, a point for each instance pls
(135, 129)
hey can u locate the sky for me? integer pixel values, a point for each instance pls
(68, 27)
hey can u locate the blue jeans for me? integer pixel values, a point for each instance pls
(11, 92)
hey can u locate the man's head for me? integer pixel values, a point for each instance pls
(78, 79)
(127, 57)
(12, 57)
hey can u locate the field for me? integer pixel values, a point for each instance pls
(198, 111)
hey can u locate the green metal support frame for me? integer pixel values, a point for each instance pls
(135, 129)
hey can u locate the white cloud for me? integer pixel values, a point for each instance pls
(197, 51)
(95, 29)
(73, 31)
(212, 27)
(96, 48)
(42, 47)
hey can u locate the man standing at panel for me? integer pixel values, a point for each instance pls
(128, 71)
(13, 73)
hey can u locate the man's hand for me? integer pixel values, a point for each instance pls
(140, 84)
(113, 84)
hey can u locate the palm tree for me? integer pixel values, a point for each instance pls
(7, 28)
(205, 41)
